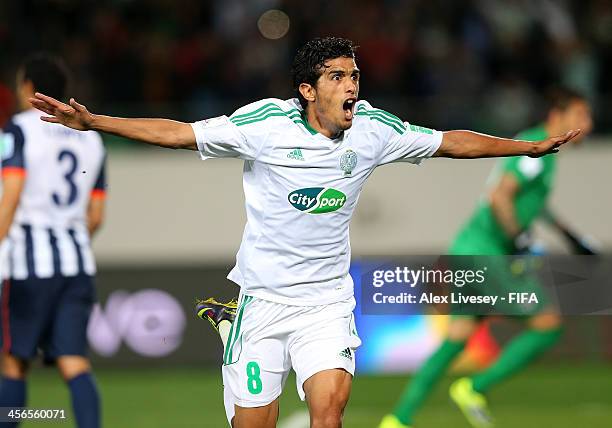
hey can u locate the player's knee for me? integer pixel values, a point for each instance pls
(255, 417)
(71, 366)
(461, 328)
(14, 367)
(546, 321)
(330, 417)
(329, 409)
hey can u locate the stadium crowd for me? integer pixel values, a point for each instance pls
(484, 64)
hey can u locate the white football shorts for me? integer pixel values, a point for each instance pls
(267, 339)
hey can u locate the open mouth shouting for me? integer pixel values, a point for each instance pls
(349, 108)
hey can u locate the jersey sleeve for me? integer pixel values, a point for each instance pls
(400, 141)
(99, 189)
(232, 137)
(13, 140)
(523, 168)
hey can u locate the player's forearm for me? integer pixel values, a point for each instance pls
(551, 219)
(504, 212)
(12, 186)
(469, 145)
(93, 226)
(95, 215)
(94, 222)
(4, 227)
(160, 132)
(7, 213)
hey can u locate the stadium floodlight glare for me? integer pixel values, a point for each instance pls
(273, 24)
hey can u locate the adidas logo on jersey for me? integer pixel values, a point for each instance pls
(296, 154)
(346, 353)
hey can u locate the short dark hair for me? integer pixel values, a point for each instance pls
(309, 61)
(560, 97)
(47, 73)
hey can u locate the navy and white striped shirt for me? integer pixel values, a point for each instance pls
(63, 170)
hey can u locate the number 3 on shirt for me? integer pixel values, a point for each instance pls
(253, 378)
(66, 156)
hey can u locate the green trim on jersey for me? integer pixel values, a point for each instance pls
(383, 117)
(482, 234)
(307, 125)
(271, 110)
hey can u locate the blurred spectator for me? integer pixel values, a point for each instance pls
(481, 63)
(6, 104)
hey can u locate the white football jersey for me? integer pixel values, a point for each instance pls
(301, 189)
(63, 169)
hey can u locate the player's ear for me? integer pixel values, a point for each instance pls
(308, 91)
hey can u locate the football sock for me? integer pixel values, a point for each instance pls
(85, 400)
(12, 394)
(425, 379)
(516, 355)
(224, 331)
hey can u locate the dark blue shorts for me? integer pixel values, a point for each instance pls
(50, 315)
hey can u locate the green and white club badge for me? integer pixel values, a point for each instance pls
(348, 162)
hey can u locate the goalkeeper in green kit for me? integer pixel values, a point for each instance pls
(517, 196)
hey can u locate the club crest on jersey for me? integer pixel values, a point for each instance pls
(317, 200)
(348, 162)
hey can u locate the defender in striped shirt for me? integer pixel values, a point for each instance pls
(52, 202)
(305, 163)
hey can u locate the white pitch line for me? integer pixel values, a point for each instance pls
(298, 419)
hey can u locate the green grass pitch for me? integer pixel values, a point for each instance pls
(552, 396)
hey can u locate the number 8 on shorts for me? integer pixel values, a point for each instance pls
(253, 378)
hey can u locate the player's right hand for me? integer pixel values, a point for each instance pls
(75, 115)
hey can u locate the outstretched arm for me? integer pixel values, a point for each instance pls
(159, 132)
(469, 145)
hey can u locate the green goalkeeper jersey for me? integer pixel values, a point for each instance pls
(482, 234)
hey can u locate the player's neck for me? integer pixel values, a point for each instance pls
(23, 103)
(318, 124)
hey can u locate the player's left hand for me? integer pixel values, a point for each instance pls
(551, 145)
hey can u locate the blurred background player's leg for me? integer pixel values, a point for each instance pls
(67, 346)
(76, 372)
(13, 383)
(424, 381)
(542, 320)
(26, 307)
(469, 392)
(544, 331)
(461, 327)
